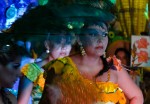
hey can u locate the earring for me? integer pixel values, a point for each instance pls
(104, 55)
(47, 51)
(46, 43)
(83, 53)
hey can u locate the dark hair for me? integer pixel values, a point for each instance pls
(4, 94)
(106, 67)
(127, 53)
(58, 39)
(9, 52)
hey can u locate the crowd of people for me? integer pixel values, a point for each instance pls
(75, 69)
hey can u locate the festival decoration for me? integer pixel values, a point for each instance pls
(117, 38)
(140, 51)
(22, 7)
(111, 34)
(131, 16)
(42, 2)
(113, 1)
(146, 12)
(117, 44)
(10, 10)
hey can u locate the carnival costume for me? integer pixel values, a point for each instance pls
(78, 90)
(35, 74)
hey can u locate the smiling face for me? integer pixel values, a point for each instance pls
(95, 41)
(9, 73)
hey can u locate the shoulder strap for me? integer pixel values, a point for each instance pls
(108, 75)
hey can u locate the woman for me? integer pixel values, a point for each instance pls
(87, 78)
(124, 55)
(10, 57)
(32, 82)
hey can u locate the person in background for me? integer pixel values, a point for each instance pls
(10, 60)
(124, 55)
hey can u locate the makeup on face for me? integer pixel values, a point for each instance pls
(93, 35)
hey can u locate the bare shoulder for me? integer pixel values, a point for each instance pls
(113, 76)
(123, 76)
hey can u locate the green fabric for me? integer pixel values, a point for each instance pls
(32, 72)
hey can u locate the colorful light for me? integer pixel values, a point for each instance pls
(43, 2)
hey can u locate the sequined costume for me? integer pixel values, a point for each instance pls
(78, 90)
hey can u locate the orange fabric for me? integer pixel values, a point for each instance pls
(78, 90)
(116, 62)
(110, 92)
(40, 82)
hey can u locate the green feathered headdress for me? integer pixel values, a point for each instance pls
(63, 16)
(77, 13)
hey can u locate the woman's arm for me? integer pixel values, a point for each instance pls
(25, 89)
(131, 90)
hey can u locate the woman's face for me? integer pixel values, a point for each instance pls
(59, 46)
(60, 51)
(122, 56)
(9, 73)
(97, 43)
